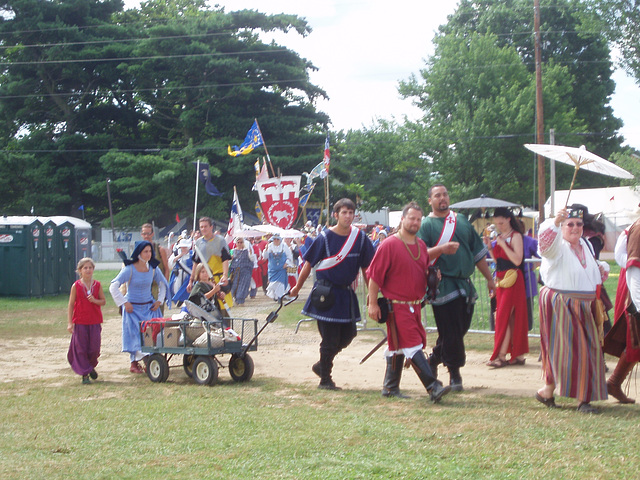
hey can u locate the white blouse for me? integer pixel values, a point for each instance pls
(561, 269)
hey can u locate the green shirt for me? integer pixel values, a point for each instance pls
(456, 269)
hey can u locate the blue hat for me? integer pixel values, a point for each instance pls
(141, 245)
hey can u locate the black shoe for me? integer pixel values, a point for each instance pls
(317, 369)
(586, 407)
(328, 385)
(394, 393)
(456, 385)
(437, 391)
(93, 374)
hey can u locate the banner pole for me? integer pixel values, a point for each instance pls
(264, 144)
(195, 203)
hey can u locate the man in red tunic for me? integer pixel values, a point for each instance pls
(623, 339)
(399, 271)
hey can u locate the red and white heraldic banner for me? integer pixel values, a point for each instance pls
(279, 199)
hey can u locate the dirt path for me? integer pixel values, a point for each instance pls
(281, 353)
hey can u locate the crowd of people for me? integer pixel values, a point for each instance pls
(399, 267)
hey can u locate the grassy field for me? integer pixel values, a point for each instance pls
(268, 429)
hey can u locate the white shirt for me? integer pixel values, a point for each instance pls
(561, 269)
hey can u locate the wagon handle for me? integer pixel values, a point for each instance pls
(270, 319)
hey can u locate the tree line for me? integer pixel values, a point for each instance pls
(91, 91)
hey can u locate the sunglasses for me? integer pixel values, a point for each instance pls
(577, 224)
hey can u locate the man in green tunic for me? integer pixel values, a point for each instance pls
(456, 249)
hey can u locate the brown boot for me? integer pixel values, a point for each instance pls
(614, 383)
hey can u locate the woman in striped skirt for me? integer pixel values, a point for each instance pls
(572, 359)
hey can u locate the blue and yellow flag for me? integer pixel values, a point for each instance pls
(251, 141)
(259, 213)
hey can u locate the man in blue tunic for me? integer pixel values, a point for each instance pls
(338, 253)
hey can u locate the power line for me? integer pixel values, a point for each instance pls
(156, 149)
(150, 57)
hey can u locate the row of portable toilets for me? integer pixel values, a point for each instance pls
(38, 255)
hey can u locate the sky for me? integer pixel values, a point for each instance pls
(363, 48)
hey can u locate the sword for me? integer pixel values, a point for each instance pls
(373, 350)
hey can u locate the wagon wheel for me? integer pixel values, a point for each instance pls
(187, 363)
(205, 370)
(241, 367)
(157, 368)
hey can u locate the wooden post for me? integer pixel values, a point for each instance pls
(539, 112)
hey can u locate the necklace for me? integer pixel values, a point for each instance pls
(408, 249)
(89, 287)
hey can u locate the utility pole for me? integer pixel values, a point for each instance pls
(539, 113)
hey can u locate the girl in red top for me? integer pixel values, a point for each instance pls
(85, 322)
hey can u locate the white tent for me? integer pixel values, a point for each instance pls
(619, 207)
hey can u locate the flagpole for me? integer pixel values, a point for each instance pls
(264, 144)
(195, 206)
(326, 197)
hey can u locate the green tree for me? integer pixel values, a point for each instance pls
(619, 21)
(478, 99)
(564, 42)
(381, 165)
(168, 82)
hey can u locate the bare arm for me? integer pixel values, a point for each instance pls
(164, 258)
(372, 301)
(486, 272)
(72, 301)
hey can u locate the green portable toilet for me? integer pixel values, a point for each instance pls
(50, 258)
(66, 256)
(21, 256)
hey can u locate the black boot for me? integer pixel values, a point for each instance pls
(391, 385)
(455, 379)
(433, 386)
(326, 365)
(433, 363)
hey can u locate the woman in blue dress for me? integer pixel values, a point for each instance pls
(138, 304)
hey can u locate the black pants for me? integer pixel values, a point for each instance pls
(335, 336)
(453, 320)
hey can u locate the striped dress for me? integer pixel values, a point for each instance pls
(571, 353)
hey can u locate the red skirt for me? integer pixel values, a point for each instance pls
(511, 310)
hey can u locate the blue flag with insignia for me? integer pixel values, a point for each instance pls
(251, 141)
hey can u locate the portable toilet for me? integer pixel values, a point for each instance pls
(82, 235)
(66, 256)
(21, 256)
(50, 258)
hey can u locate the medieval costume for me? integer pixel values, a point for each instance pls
(571, 355)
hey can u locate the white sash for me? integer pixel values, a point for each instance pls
(331, 262)
(448, 229)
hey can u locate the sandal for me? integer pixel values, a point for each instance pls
(547, 402)
(498, 363)
(517, 361)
